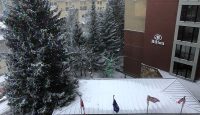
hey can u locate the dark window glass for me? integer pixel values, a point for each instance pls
(178, 51)
(195, 35)
(83, 8)
(182, 70)
(192, 54)
(180, 32)
(185, 52)
(198, 14)
(189, 34)
(190, 13)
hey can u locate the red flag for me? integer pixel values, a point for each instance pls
(82, 106)
(152, 99)
(81, 103)
(181, 100)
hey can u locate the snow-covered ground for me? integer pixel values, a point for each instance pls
(1, 37)
(2, 78)
(3, 102)
(97, 75)
(4, 107)
(131, 95)
(2, 26)
(198, 82)
(166, 75)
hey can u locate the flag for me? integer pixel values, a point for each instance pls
(152, 99)
(115, 106)
(82, 104)
(181, 100)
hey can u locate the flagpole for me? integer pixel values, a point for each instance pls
(183, 103)
(81, 111)
(147, 106)
(84, 110)
(113, 100)
(80, 105)
(182, 107)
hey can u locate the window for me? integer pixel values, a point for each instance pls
(185, 52)
(190, 13)
(135, 15)
(189, 34)
(67, 8)
(69, 3)
(82, 2)
(182, 70)
(55, 3)
(100, 2)
(83, 8)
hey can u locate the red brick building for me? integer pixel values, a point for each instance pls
(151, 35)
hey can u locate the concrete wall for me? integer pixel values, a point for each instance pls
(195, 64)
(198, 70)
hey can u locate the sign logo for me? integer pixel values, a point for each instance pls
(157, 40)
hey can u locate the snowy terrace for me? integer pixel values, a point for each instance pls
(131, 95)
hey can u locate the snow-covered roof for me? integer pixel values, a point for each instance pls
(4, 107)
(3, 104)
(2, 25)
(2, 78)
(131, 95)
(1, 37)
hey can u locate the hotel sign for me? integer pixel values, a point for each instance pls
(157, 40)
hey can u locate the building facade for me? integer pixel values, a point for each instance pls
(64, 5)
(185, 55)
(3, 4)
(81, 5)
(163, 34)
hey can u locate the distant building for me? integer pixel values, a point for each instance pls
(64, 5)
(81, 5)
(3, 4)
(3, 50)
(163, 34)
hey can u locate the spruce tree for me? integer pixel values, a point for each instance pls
(78, 38)
(118, 7)
(93, 39)
(81, 53)
(110, 40)
(38, 80)
(72, 19)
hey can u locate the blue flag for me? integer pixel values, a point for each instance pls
(115, 106)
